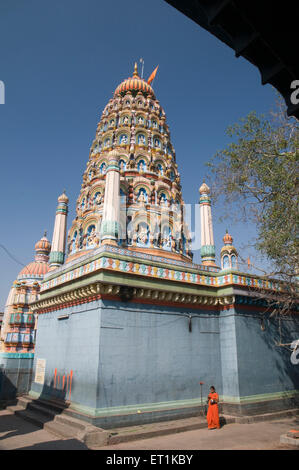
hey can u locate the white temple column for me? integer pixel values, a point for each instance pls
(207, 250)
(59, 235)
(110, 228)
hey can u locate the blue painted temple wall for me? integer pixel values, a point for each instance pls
(154, 357)
(70, 344)
(263, 366)
(228, 354)
(125, 354)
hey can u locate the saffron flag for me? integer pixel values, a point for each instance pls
(152, 76)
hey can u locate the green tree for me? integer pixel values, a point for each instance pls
(256, 176)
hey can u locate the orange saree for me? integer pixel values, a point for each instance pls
(213, 413)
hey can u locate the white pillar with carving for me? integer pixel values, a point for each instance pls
(57, 253)
(207, 250)
(110, 228)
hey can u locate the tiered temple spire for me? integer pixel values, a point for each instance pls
(131, 192)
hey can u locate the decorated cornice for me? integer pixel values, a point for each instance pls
(131, 262)
(123, 252)
(96, 291)
(115, 271)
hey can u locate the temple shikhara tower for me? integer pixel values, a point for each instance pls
(131, 193)
(127, 325)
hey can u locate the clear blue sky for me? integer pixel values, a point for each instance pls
(61, 62)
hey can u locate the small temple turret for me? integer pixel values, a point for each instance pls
(18, 329)
(42, 249)
(228, 254)
(207, 250)
(59, 234)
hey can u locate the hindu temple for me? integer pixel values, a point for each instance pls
(127, 323)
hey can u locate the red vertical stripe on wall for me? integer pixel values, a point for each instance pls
(71, 379)
(55, 374)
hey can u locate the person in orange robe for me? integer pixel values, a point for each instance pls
(213, 413)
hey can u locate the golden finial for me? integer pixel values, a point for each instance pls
(135, 74)
(204, 188)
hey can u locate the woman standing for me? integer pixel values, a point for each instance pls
(213, 413)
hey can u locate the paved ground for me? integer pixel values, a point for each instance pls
(256, 436)
(15, 433)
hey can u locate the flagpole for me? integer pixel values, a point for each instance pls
(142, 62)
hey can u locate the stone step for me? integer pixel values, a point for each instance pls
(53, 405)
(135, 434)
(42, 409)
(285, 439)
(49, 410)
(63, 426)
(33, 417)
(67, 427)
(60, 429)
(146, 431)
(41, 406)
(265, 417)
(70, 421)
(23, 401)
(15, 408)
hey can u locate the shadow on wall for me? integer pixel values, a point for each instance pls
(270, 339)
(14, 381)
(11, 392)
(8, 391)
(50, 392)
(59, 388)
(286, 332)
